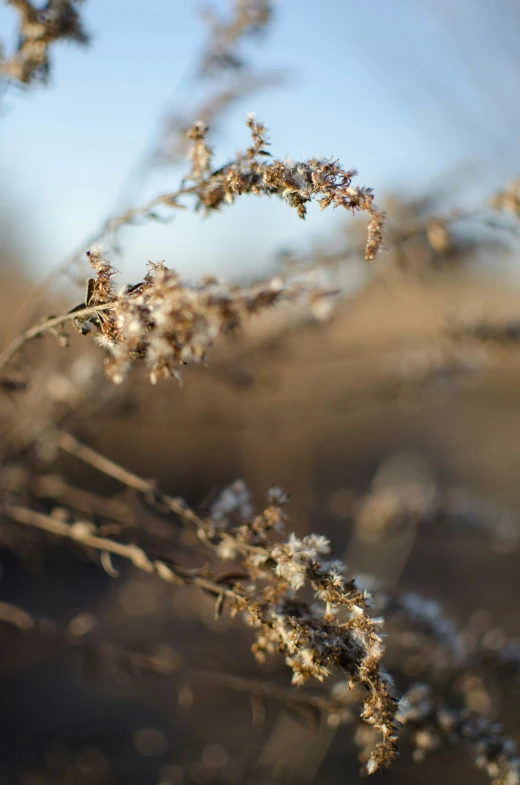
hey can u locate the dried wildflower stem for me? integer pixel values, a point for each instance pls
(54, 486)
(429, 722)
(420, 613)
(246, 18)
(44, 326)
(84, 635)
(177, 505)
(297, 183)
(164, 321)
(71, 445)
(169, 199)
(173, 144)
(81, 533)
(34, 299)
(224, 64)
(335, 634)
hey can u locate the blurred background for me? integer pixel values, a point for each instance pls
(401, 405)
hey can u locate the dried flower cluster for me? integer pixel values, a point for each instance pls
(449, 661)
(428, 721)
(330, 633)
(173, 143)
(296, 183)
(40, 27)
(301, 604)
(333, 632)
(169, 323)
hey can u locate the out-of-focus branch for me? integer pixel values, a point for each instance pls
(81, 631)
(247, 17)
(71, 445)
(83, 533)
(39, 29)
(45, 326)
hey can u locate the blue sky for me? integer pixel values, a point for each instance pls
(407, 91)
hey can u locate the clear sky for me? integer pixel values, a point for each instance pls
(410, 92)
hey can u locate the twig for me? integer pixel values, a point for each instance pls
(54, 486)
(38, 329)
(81, 532)
(71, 445)
(159, 664)
(178, 506)
(34, 299)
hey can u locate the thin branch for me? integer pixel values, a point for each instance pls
(34, 299)
(38, 329)
(177, 505)
(71, 445)
(56, 487)
(81, 533)
(86, 637)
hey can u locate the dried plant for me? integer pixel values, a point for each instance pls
(339, 635)
(335, 633)
(39, 29)
(247, 17)
(161, 320)
(298, 602)
(297, 183)
(169, 323)
(174, 142)
(431, 723)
